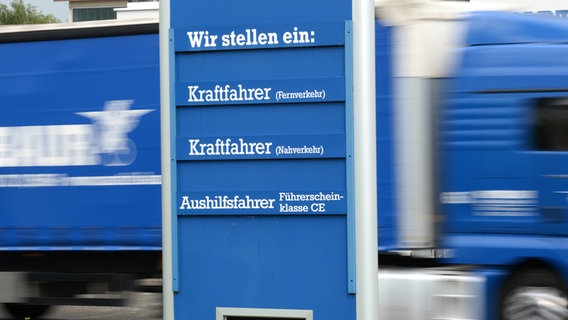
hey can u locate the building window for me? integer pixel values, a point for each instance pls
(90, 14)
(551, 124)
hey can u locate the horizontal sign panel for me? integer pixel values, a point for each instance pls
(232, 37)
(255, 92)
(261, 120)
(218, 67)
(261, 147)
(265, 174)
(258, 203)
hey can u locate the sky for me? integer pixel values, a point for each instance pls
(60, 9)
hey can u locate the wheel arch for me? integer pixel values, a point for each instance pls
(548, 265)
(530, 273)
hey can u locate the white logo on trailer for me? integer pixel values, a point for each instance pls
(111, 128)
(105, 142)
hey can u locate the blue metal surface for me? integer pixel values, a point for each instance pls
(510, 249)
(79, 144)
(535, 66)
(510, 28)
(264, 262)
(494, 278)
(173, 168)
(387, 221)
(349, 157)
(230, 13)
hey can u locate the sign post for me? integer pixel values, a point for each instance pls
(260, 201)
(365, 151)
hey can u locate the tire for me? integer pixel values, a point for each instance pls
(534, 294)
(25, 311)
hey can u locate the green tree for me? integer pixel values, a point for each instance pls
(20, 13)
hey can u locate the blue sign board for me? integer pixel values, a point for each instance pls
(262, 201)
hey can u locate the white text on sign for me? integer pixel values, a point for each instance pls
(249, 38)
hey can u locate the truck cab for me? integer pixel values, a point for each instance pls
(503, 147)
(473, 140)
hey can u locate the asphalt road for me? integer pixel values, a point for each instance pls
(143, 306)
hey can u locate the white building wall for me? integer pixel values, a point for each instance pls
(139, 10)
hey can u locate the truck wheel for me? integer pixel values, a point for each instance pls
(534, 294)
(25, 311)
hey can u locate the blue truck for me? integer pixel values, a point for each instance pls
(80, 208)
(472, 164)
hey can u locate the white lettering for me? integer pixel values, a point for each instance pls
(199, 38)
(251, 37)
(298, 37)
(185, 203)
(507, 203)
(291, 208)
(288, 150)
(104, 142)
(227, 147)
(61, 145)
(320, 196)
(225, 202)
(227, 93)
(307, 94)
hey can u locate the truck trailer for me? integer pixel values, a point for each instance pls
(80, 208)
(472, 115)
